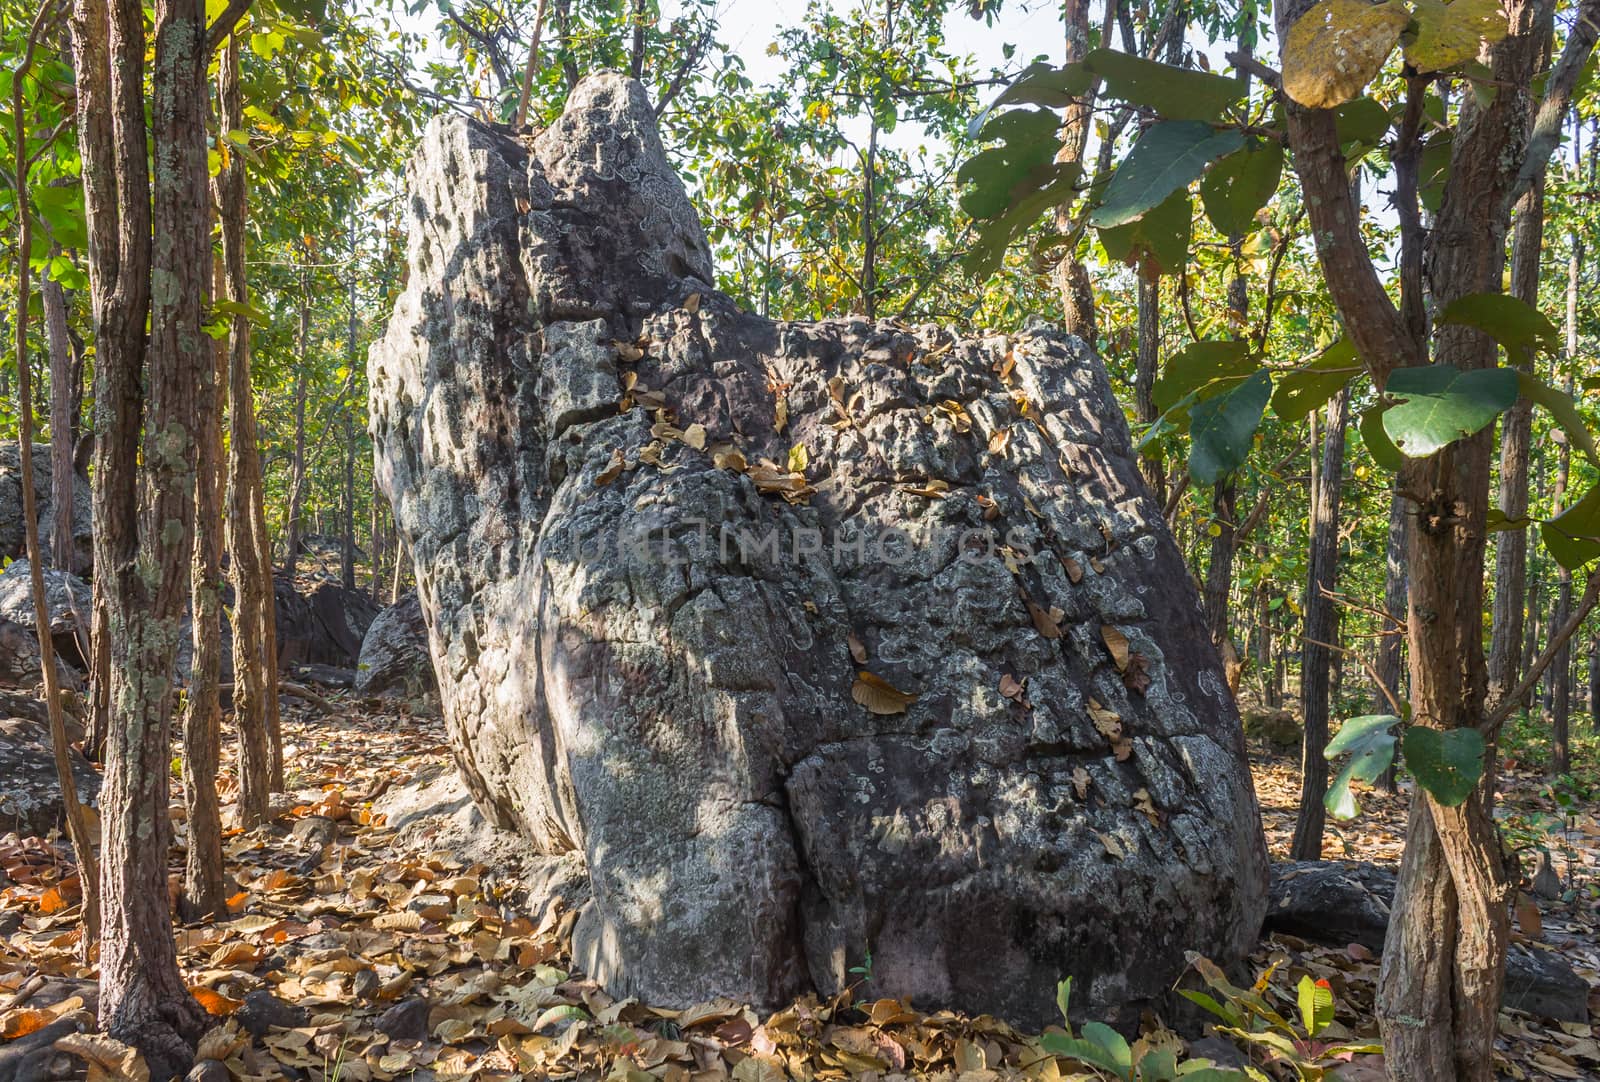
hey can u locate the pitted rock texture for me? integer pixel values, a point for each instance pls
(645, 655)
(11, 520)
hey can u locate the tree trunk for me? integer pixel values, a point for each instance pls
(1561, 667)
(145, 400)
(297, 470)
(78, 828)
(1511, 546)
(62, 476)
(1072, 278)
(255, 651)
(1317, 647)
(1147, 368)
(1390, 652)
(347, 548)
(204, 889)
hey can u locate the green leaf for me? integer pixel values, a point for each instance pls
(1156, 244)
(1199, 366)
(1241, 184)
(1311, 385)
(1573, 537)
(1227, 1013)
(1059, 1044)
(1565, 411)
(1446, 34)
(1446, 763)
(1222, 429)
(1167, 158)
(1370, 745)
(1516, 325)
(1439, 404)
(1433, 170)
(1063, 997)
(1039, 84)
(1362, 122)
(1377, 441)
(1316, 1005)
(1174, 93)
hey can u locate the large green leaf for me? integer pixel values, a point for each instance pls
(1445, 34)
(1377, 441)
(1166, 159)
(1361, 123)
(1439, 404)
(1309, 386)
(1222, 429)
(1573, 536)
(1512, 322)
(1039, 84)
(1199, 365)
(1174, 93)
(1446, 763)
(1560, 406)
(1316, 1004)
(1370, 745)
(1156, 244)
(1241, 184)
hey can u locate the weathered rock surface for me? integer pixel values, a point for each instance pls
(30, 798)
(68, 599)
(1338, 903)
(394, 655)
(324, 627)
(644, 648)
(12, 540)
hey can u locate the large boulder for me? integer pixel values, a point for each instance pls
(324, 627)
(394, 655)
(657, 539)
(11, 522)
(1344, 902)
(68, 600)
(30, 797)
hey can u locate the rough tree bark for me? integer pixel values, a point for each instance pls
(1561, 667)
(1146, 368)
(1444, 958)
(1511, 546)
(1317, 647)
(1391, 653)
(255, 649)
(146, 227)
(204, 888)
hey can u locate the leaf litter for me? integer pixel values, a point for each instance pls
(345, 922)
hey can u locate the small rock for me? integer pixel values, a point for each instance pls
(365, 984)
(405, 1021)
(208, 1070)
(1546, 882)
(1221, 1052)
(1542, 983)
(263, 1010)
(315, 831)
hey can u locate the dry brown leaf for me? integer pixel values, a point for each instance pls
(613, 468)
(695, 436)
(998, 441)
(858, 649)
(108, 1053)
(1073, 569)
(1046, 622)
(932, 490)
(1080, 782)
(728, 457)
(878, 695)
(1117, 643)
(1010, 688)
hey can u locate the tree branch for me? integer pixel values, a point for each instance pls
(225, 24)
(1559, 89)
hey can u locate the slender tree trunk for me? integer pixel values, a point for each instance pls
(1072, 277)
(62, 476)
(78, 828)
(347, 549)
(1561, 667)
(1320, 631)
(1147, 368)
(204, 889)
(297, 471)
(1390, 652)
(255, 685)
(1511, 546)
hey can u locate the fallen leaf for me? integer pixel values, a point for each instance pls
(858, 649)
(878, 695)
(612, 470)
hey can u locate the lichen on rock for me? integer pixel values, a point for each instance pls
(813, 640)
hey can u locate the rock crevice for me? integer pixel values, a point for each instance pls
(815, 641)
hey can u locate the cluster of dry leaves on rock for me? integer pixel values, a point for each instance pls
(350, 956)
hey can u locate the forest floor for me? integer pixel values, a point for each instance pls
(385, 959)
